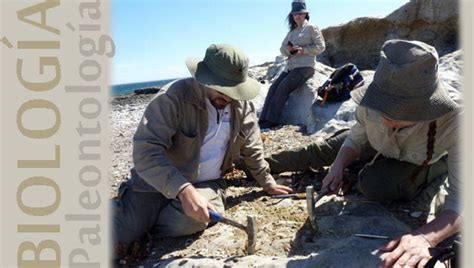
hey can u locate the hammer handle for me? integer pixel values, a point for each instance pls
(217, 217)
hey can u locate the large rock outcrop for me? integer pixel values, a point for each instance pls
(432, 21)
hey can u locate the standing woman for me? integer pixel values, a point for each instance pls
(301, 45)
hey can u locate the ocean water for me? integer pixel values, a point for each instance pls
(123, 89)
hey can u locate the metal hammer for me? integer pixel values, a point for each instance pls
(250, 229)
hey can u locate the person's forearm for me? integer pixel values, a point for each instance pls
(445, 225)
(154, 167)
(345, 157)
(314, 49)
(318, 46)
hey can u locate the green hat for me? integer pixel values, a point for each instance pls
(224, 68)
(406, 84)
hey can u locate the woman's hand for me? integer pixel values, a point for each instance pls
(298, 49)
(410, 250)
(333, 179)
(295, 50)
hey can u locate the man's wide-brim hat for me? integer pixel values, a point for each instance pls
(406, 84)
(298, 6)
(224, 68)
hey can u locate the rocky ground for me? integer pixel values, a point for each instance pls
(285, 237)
(284, 234)
(125, 114)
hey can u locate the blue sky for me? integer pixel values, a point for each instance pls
(154, 37)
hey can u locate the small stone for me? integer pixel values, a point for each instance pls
(285, 203)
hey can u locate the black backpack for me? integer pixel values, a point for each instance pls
(340, 83)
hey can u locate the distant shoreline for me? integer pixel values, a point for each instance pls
(126, 89)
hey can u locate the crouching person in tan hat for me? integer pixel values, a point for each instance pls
(189, 136)
(408, 127)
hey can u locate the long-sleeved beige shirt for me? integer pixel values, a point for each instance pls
(310, 38)
(409, 144)
(168, 140)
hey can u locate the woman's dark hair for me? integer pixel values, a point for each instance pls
(292, 23)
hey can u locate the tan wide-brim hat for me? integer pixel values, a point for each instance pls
(225, 68)
(406, 84)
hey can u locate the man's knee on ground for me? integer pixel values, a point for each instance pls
(122, 231)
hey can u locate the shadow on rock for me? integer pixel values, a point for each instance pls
(232, 201)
